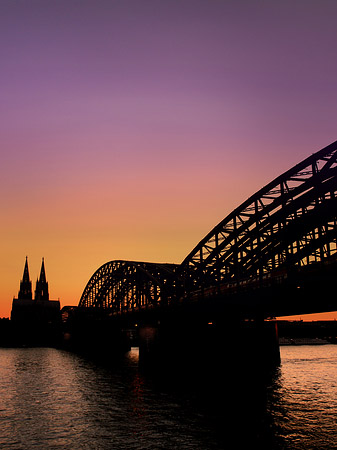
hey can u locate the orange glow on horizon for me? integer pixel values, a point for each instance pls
(311, 317)
(133, 142)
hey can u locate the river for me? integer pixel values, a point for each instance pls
(54, 399)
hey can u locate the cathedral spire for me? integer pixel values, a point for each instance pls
(41, 291)
(25, 292)
(43, 273)
(25, 277)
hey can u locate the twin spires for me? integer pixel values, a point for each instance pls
(41, 291)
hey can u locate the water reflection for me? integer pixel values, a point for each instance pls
(233, 402)
(308, 395)
(51, 399)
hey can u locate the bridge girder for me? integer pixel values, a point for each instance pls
(291, 221)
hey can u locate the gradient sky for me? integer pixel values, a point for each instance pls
(130, 128)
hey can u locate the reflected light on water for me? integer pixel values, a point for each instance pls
(52, 399)
(133, 355)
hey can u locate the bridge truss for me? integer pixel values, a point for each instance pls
(292, 221)
(289, 223)
(122, 286)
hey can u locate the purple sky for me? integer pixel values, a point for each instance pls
(130, 128)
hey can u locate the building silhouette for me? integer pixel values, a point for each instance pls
(37, 320)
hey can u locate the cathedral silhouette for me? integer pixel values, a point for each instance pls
(41, 291)
(35, 316)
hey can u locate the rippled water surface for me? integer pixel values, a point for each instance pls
(306, 407)
(52, 399)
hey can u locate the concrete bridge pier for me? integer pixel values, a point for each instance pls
(164, 345)
(96, 335)
(259, 344)
(209, 346)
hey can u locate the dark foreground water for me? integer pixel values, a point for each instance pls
(52, 399)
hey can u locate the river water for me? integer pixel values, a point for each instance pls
(53, 399)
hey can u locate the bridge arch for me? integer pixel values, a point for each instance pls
(124, 286)
(292, 221)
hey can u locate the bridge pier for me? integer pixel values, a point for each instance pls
(201, 346)
(259, 343)
(96, 334)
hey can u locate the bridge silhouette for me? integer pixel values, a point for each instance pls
(274, 255)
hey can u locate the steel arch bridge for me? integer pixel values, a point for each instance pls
(122, 286)
(291, 222)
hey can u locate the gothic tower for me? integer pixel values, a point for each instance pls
(41, 291)
(25, 292)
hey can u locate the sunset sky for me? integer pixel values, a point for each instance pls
(130, 128)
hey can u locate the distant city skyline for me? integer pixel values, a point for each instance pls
(131, 128)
